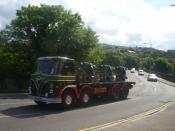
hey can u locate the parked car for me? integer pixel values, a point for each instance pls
(152, 77)
(133, 70)
(141, 72)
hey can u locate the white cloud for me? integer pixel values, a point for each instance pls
(124, 22)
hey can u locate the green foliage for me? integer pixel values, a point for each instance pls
(42, 31)
(131, 60)
(173, 68)
(170, 53)
(15, 65)
(159, 64)
(148, 63)
(52, 30)
(163, 65)
(113, 57)
(95, 55)
(81, 42)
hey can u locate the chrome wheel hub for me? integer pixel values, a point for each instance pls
(68, 100)
(86, 98)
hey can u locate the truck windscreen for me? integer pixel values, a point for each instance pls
(48, 66)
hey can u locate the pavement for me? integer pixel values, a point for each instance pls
(166, 82)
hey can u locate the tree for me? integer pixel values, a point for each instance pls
(148, 63)
(96, 55)
(163, 65)
(81, 43)
(52, 30)
(42, 31)
(173, 68)
(131, 60)
(113, 57)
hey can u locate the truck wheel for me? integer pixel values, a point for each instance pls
(115, 94)
(115, 98)
(40, 103)
(85, 97)
(124, 94)
(68, 99)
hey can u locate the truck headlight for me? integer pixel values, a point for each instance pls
(51, 87)
(54, 85)
(46, 94)
(51, 91)
(30, 90)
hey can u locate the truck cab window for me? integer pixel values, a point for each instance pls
(68, 68)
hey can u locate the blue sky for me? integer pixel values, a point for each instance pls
(117, 22)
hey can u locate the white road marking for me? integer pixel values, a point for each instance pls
(136, 98)
(2, 104)
(155, 89)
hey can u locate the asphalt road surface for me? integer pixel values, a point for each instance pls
(19, 113)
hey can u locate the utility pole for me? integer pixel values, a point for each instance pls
(150, 44)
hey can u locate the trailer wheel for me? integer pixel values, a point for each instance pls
(85, 97)
(114, 95)
(40, 103)
(124, 94)
(68, 99)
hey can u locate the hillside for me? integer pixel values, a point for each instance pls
(141, 51)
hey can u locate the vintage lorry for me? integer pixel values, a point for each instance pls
(63, 80)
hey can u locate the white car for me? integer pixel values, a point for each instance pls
(152, 77)
(141, 72)
(133, 70)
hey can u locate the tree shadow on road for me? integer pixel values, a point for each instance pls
(14, 96)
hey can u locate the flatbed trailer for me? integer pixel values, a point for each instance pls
(60, 80)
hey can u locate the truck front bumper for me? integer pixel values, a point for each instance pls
(46, 100)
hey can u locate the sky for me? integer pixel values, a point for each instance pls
(117, 22)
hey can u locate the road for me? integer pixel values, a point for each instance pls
(19, 113)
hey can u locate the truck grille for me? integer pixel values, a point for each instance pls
(45, 90)
(33, 86)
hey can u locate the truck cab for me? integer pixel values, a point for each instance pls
(52, 74)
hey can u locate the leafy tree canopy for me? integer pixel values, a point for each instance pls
(52, 30)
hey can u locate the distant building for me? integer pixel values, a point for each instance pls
(130, 51)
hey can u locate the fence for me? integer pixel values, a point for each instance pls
(168, 77)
